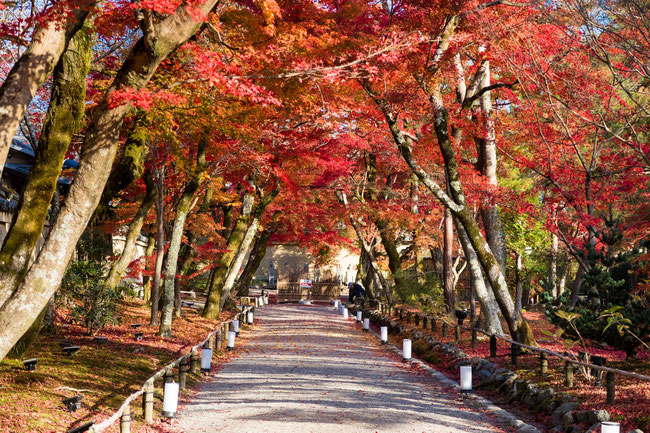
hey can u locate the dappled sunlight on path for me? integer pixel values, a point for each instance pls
(305, 369)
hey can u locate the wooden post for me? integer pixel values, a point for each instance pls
(611, 387)
(543, 363)
(400, 313)
(125, 420)
(514, 354)
(417, 320)
(474, 338)
(424, 322)
(493, 346)
(194, 361)
(568, 374)
(182, 373)
(408, 317)
(434, 325)
(457, 333)
(147, 403)
(444, 328)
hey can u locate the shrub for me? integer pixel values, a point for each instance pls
(613, 310)
(93, 304)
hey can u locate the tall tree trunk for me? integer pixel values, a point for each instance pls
(120, 265)
(553, 276)
(213, 304)
(394, 259)
(171, 261)
(46, 46)
(131, 163)
(577, 285)
(447, 261)
(146, 280)
(159, 183)
(518, 284)
(64, 117)
(489, 307)
(238, 260)
(254, 260)
(487, 161)
(160, 37)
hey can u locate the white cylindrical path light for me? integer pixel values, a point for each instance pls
(384, 334)
(366, 324)
(336, 303)
(231, 340)
(235, 326)
(345, 313)
(206, 358)
(465, 378)
(406, 349)
(359, 316)
(250, 317)
(170, 400)
(610, 427)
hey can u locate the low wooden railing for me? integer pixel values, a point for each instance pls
(186, 363)
(569, 359)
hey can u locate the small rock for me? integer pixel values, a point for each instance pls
(568, 420)
(598, 416)
(556, 416)
(484, 375)
(527, 429)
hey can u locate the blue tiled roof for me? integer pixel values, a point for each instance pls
(22, 147)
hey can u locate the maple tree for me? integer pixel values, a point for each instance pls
(252, 122)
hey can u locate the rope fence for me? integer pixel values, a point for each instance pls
(186, 363)
(515, 347)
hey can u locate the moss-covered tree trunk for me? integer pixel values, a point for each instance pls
(120, 265)
(213, 304)
(160, 36)
(34, 66)
(131, 163)
(64, 117)
(171, 260)
(489, 307)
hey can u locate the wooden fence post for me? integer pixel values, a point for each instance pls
(444, 328)
(182, 373)
(493, 346)
(434, 325)
(147, 403)
(125, 420)
(514, 354)
(417, 320)
(474, 338)
(424, 322)
(568, 374)
(457, 333)
(543, 363)
(611, 387)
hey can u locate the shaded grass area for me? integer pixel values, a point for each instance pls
(632, 405)
(104, 373)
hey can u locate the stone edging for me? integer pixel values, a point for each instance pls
(559, 406)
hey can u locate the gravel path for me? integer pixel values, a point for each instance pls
(305, 369)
